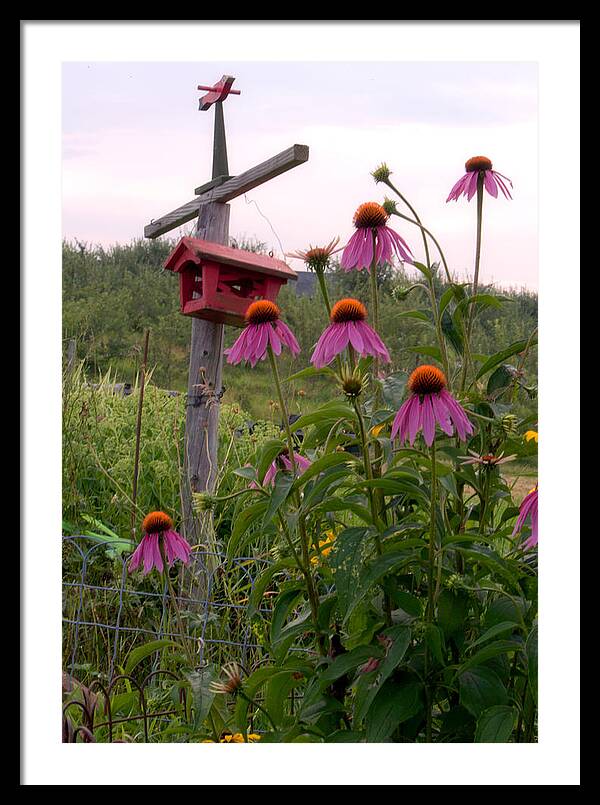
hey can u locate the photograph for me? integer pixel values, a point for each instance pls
(297, 397)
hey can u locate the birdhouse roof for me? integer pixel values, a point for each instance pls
(195, 249)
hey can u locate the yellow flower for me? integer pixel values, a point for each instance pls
(237, 738)
(376, 430)
(531, 434)
(325, 546)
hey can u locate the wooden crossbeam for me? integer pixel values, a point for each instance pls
(236, 186)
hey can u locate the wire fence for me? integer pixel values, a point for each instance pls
(108, 612)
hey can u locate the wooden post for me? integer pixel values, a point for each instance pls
(138, 434)
(204, 387)
(71, 355)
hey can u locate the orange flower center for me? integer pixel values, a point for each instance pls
(426, 380)
(156, 522)
(369, 215)
(261, 312)
(348, 310)
(478, 164)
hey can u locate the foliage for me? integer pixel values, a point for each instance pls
(394, 600)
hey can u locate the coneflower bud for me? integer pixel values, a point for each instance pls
(381, 173)
(353, 383)
(203, 501)
(508, 423)
(232, 682)
(389, 205)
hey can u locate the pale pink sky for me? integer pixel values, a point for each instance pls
(135, 146)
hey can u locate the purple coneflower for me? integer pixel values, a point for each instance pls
(348, 327)
(430, 402)
(316, 257)
(488, 460)
(492, 180)
(529, 508)
(158, 526)
(263, 327)
(282, 462)
(371, 218)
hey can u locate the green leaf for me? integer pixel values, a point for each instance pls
(452, 612)
(531, 650)
(373, 571)
(278, 690)
(330, 412)
(393, 388)
(263, 581)
(495, 725)
(421, 315)
(500, 357)
(480, 688)
(141, 652)
(310, 371)
(370, 684)
(282, 487)
(267, 455)
(494, 631)
(489, 651)
(324, 463)
(346, 560)
(432, 352)
(348, 661)
(202, 695)
(483, 300)
(452, 329)
(424, 270)
(392, 705)
(499, 381)
(243, 521)
(435, 640)
(286, 601)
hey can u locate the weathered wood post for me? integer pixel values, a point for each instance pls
(204, 385)
(206, 348)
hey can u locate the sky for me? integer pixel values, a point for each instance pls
(135, 146)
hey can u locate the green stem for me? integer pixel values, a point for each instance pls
(372, 502)
(430, 591)
(311, 589)
(324, 292)
(258, 707)
(283, 408)
(471, 312)
(173, 596)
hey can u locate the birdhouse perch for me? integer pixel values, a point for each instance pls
(219, 283)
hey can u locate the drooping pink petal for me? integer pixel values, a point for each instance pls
(401, 246)
(288, 337)
(356, 338)
(441, 414)
(136, 556)
(274, 339)
(414, 419)
(490, 184)
(358, 252)
(499, 179)
(373, 343)
(428, 420)
(176, 547)
(399, 418)
(471, 187)
(458, 415)
(458, 188)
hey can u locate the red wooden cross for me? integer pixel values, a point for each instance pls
(217, 93)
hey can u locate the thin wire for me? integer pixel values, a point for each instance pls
(251, 201)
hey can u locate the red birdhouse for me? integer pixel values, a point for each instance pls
(219, 283)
